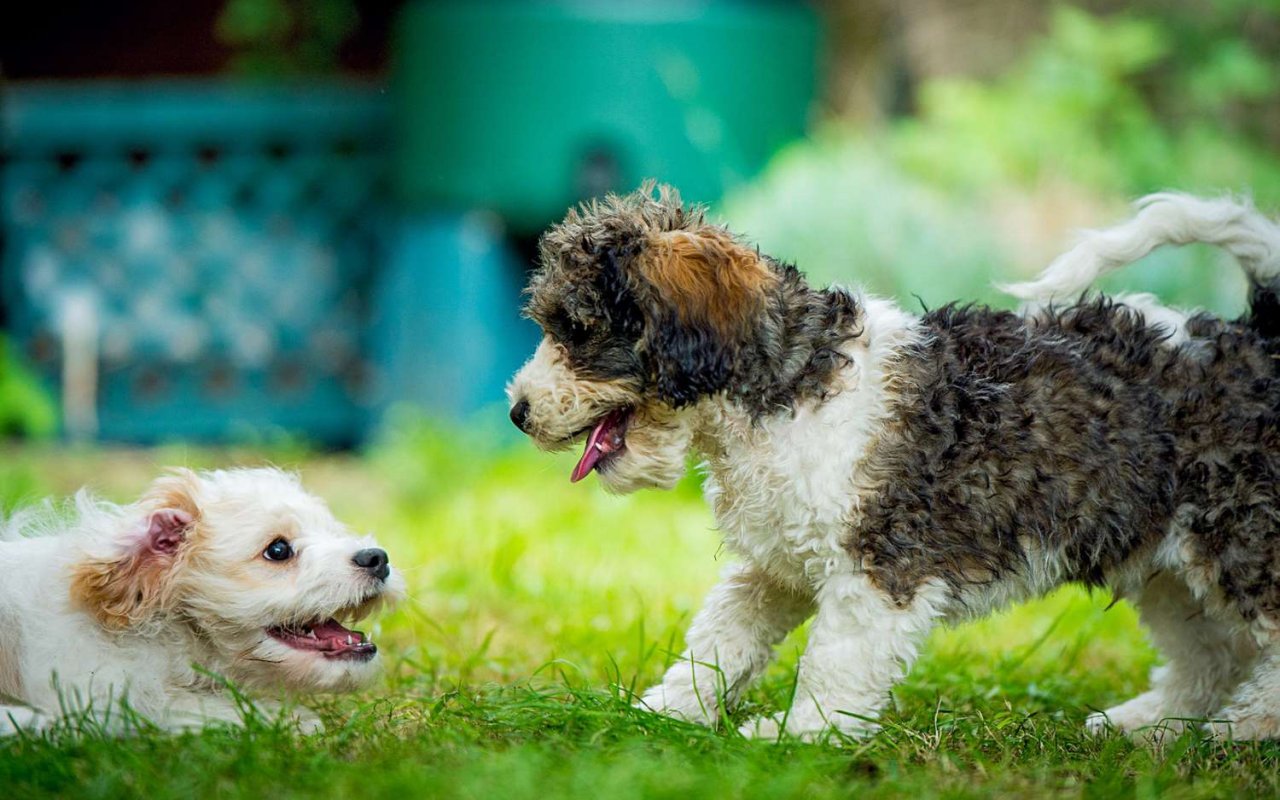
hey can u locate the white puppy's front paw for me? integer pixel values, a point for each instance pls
(19, 718)
(307, 722)
(679, 702)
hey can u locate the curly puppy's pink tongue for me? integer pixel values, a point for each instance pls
(606, 437)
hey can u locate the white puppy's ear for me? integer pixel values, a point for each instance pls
(180, 490)
(130, 586)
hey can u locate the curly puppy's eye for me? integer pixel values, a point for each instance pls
(578, 333)
(279, 550)
(570, 331)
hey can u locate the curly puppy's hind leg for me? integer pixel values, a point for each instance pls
(1204, 662)
(1254, 709)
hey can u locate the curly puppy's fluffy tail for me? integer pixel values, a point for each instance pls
(1171, 218)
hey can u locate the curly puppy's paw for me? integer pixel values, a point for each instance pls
(807, 727)
(679, 702)
(768, 727)
(777, 727)
(1141, 719)
(1243, 728)
(1142, 711)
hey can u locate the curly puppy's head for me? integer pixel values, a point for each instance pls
(646, 309)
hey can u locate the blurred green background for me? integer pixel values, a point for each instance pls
(347, 194)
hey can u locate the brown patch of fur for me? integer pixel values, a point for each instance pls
(643, 291)
(708, 276)
(125, 590)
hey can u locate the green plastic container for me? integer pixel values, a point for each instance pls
(524, 107)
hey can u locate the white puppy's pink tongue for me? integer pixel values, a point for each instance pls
(605, 438)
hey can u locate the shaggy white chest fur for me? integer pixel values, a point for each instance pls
(786, 489)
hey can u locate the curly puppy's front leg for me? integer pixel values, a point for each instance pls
(1254, 710)
(860, 644)
(730, 643)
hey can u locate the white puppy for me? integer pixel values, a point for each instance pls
(235, 576)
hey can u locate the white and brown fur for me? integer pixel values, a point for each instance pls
(147, 613)
(884, 473)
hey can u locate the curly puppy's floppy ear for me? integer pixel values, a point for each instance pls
(130, 586)
(709, 293)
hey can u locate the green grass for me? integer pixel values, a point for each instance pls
(537, 606)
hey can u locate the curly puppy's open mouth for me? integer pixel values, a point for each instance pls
(328, 638)
(605, 443)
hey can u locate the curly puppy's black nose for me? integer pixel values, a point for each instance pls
(520, 414)
(375, 560)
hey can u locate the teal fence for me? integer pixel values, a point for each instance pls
(212, 249)
(208, 261)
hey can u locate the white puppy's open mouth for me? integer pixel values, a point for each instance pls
(328, 638)
(606, 442)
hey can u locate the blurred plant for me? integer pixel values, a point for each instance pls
(837, 206)
(423, 457)
(25, 408)
(1224, 62)
(274, 38)
(1123, 104)
(19, 486)
(985, 182)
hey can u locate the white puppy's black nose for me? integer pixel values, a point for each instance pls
(375, 560)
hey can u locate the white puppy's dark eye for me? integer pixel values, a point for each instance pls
(279, 550)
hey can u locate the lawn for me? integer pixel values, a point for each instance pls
(536, 607)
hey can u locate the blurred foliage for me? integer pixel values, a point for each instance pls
(984, 182)
(535, 607)
(19, 484)
(842, 210)
(424, 459)
(1123, 104)
(25, 408)
(275, 38)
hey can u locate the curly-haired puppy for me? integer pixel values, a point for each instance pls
(237, 576)
(885, 472)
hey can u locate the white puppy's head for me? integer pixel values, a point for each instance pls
(259, 570)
